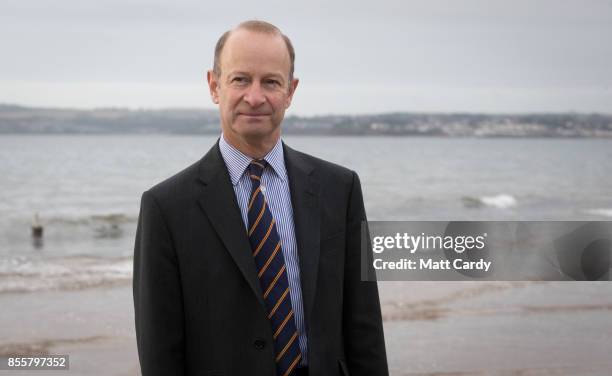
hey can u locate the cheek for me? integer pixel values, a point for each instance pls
(230, 103)
(279, 102)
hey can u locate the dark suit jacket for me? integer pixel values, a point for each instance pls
(198, 304)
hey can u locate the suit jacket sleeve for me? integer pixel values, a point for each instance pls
(158, 305)
(363, 331)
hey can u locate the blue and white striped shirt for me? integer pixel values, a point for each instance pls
(275, 187)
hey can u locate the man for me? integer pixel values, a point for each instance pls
(248, 262)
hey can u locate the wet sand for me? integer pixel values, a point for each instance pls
(501, 328)
(94, 326)
(431, 328)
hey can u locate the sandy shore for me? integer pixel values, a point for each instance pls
(94, 326)
(431, 328)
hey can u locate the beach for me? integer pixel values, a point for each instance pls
(431, 328)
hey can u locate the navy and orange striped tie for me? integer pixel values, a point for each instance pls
(272, 272)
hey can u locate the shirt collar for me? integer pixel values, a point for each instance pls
(237, 162)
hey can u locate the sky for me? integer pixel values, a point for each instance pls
(489, 56)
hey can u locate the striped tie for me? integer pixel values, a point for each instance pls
(270, 263)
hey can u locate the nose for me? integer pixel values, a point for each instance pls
(254, 96)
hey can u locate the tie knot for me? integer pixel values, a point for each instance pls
(256, 167)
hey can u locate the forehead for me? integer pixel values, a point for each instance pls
(255, 52)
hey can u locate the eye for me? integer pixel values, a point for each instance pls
(239, 80)
(272, 82)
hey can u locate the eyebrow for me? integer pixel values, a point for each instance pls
(237, 73)
(275, 75)
(267, 75)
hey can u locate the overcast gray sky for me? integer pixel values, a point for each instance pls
(352, 57)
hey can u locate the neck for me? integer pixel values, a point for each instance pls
(256, 149)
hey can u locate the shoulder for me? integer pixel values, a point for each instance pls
(187, 183)
(176, 183)
(326, 171)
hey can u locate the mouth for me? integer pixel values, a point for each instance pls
(253, 114)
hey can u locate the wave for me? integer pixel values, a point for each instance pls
(67, 273)
(604, 212)
(108, 218)
(110, 225)
(500, 201)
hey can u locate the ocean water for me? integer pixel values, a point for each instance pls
(69, 293)
(86, 191)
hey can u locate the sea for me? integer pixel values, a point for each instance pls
(84, 190)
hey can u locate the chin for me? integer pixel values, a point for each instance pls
(254, 129)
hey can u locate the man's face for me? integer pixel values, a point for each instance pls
(253, 90)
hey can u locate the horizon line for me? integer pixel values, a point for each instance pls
(391, 112)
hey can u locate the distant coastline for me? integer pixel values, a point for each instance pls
(16, 119)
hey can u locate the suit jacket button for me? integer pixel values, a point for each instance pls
(259, 344)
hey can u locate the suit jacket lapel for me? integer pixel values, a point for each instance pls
(304, 188)
(218, 201)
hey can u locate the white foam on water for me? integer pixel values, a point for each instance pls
(604, 212)
(67, 273)
(502, 201)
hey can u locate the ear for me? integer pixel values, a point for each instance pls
(292, 86)
(213, 86)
